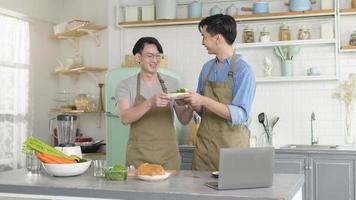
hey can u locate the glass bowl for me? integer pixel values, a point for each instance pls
(115, 174)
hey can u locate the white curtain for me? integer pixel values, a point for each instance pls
(14, 90)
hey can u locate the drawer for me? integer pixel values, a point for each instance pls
(186, 166)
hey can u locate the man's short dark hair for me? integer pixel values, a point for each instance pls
(140, 44)
(220, 24)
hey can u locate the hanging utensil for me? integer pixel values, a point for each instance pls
(268, 133)
(261, 119)
(292, 51)
(267, 124)
(274, 122)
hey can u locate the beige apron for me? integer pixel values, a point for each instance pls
(152, 138)
(214, 131)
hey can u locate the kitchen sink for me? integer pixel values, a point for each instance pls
(309, 146)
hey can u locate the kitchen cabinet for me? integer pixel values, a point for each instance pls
(327, 175)
(292, 164)
(329, 70)
(186, 154)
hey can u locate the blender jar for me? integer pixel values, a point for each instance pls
(66, 130)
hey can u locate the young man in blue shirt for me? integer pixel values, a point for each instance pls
(224, 96)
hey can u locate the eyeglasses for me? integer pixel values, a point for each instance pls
(151, 56)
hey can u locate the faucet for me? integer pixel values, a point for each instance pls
(313, 140)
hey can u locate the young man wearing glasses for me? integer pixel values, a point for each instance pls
(225, 93)
(144, 104)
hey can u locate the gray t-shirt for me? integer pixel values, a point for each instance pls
(126, 89)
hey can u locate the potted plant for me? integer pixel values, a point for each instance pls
(346, 93)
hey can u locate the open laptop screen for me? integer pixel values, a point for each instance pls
(245, 168)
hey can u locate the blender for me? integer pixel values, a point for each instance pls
(66, 126)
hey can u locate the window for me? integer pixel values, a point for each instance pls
(14, 90)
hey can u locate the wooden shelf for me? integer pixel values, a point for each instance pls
(285, 15)
(74, 111)
(238, 18)
(79, 31)
(295, 78)
(347, 48)
(284, 43)
(348, 11)
(79, 70)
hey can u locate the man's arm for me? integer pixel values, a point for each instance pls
(198, 101)
(129, 114)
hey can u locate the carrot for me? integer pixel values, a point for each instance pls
(48, 158)
(45, 159)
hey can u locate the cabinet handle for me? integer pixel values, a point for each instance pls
(109, 114)
(308, 167)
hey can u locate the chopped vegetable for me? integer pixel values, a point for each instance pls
(37, 145)
(118, 168)
(182, 90)
(77, 158)
(116, 172)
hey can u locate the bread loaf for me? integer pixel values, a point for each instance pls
(150, 170)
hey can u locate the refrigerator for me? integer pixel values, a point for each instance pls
(116, 132)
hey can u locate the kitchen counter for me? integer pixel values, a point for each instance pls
(338, 150)
(181, 185)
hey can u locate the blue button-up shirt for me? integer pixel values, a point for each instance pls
(243, 87)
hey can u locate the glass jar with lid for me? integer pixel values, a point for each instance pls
(284, 32)
(248, 35)
(303, 33)
(353, 38)
(82, 102)
(265, 35)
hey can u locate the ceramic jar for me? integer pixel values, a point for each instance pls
(231, 10)
(195, 9)
(265, 35)
(166, 9)
(215, 10)
(284, 32)
(260, 7)
(353, 39)
(303, 33)
(248, 35)
(300, 5)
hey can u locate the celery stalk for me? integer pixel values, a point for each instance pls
(37, 145)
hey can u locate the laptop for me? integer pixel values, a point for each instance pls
(244, 168)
